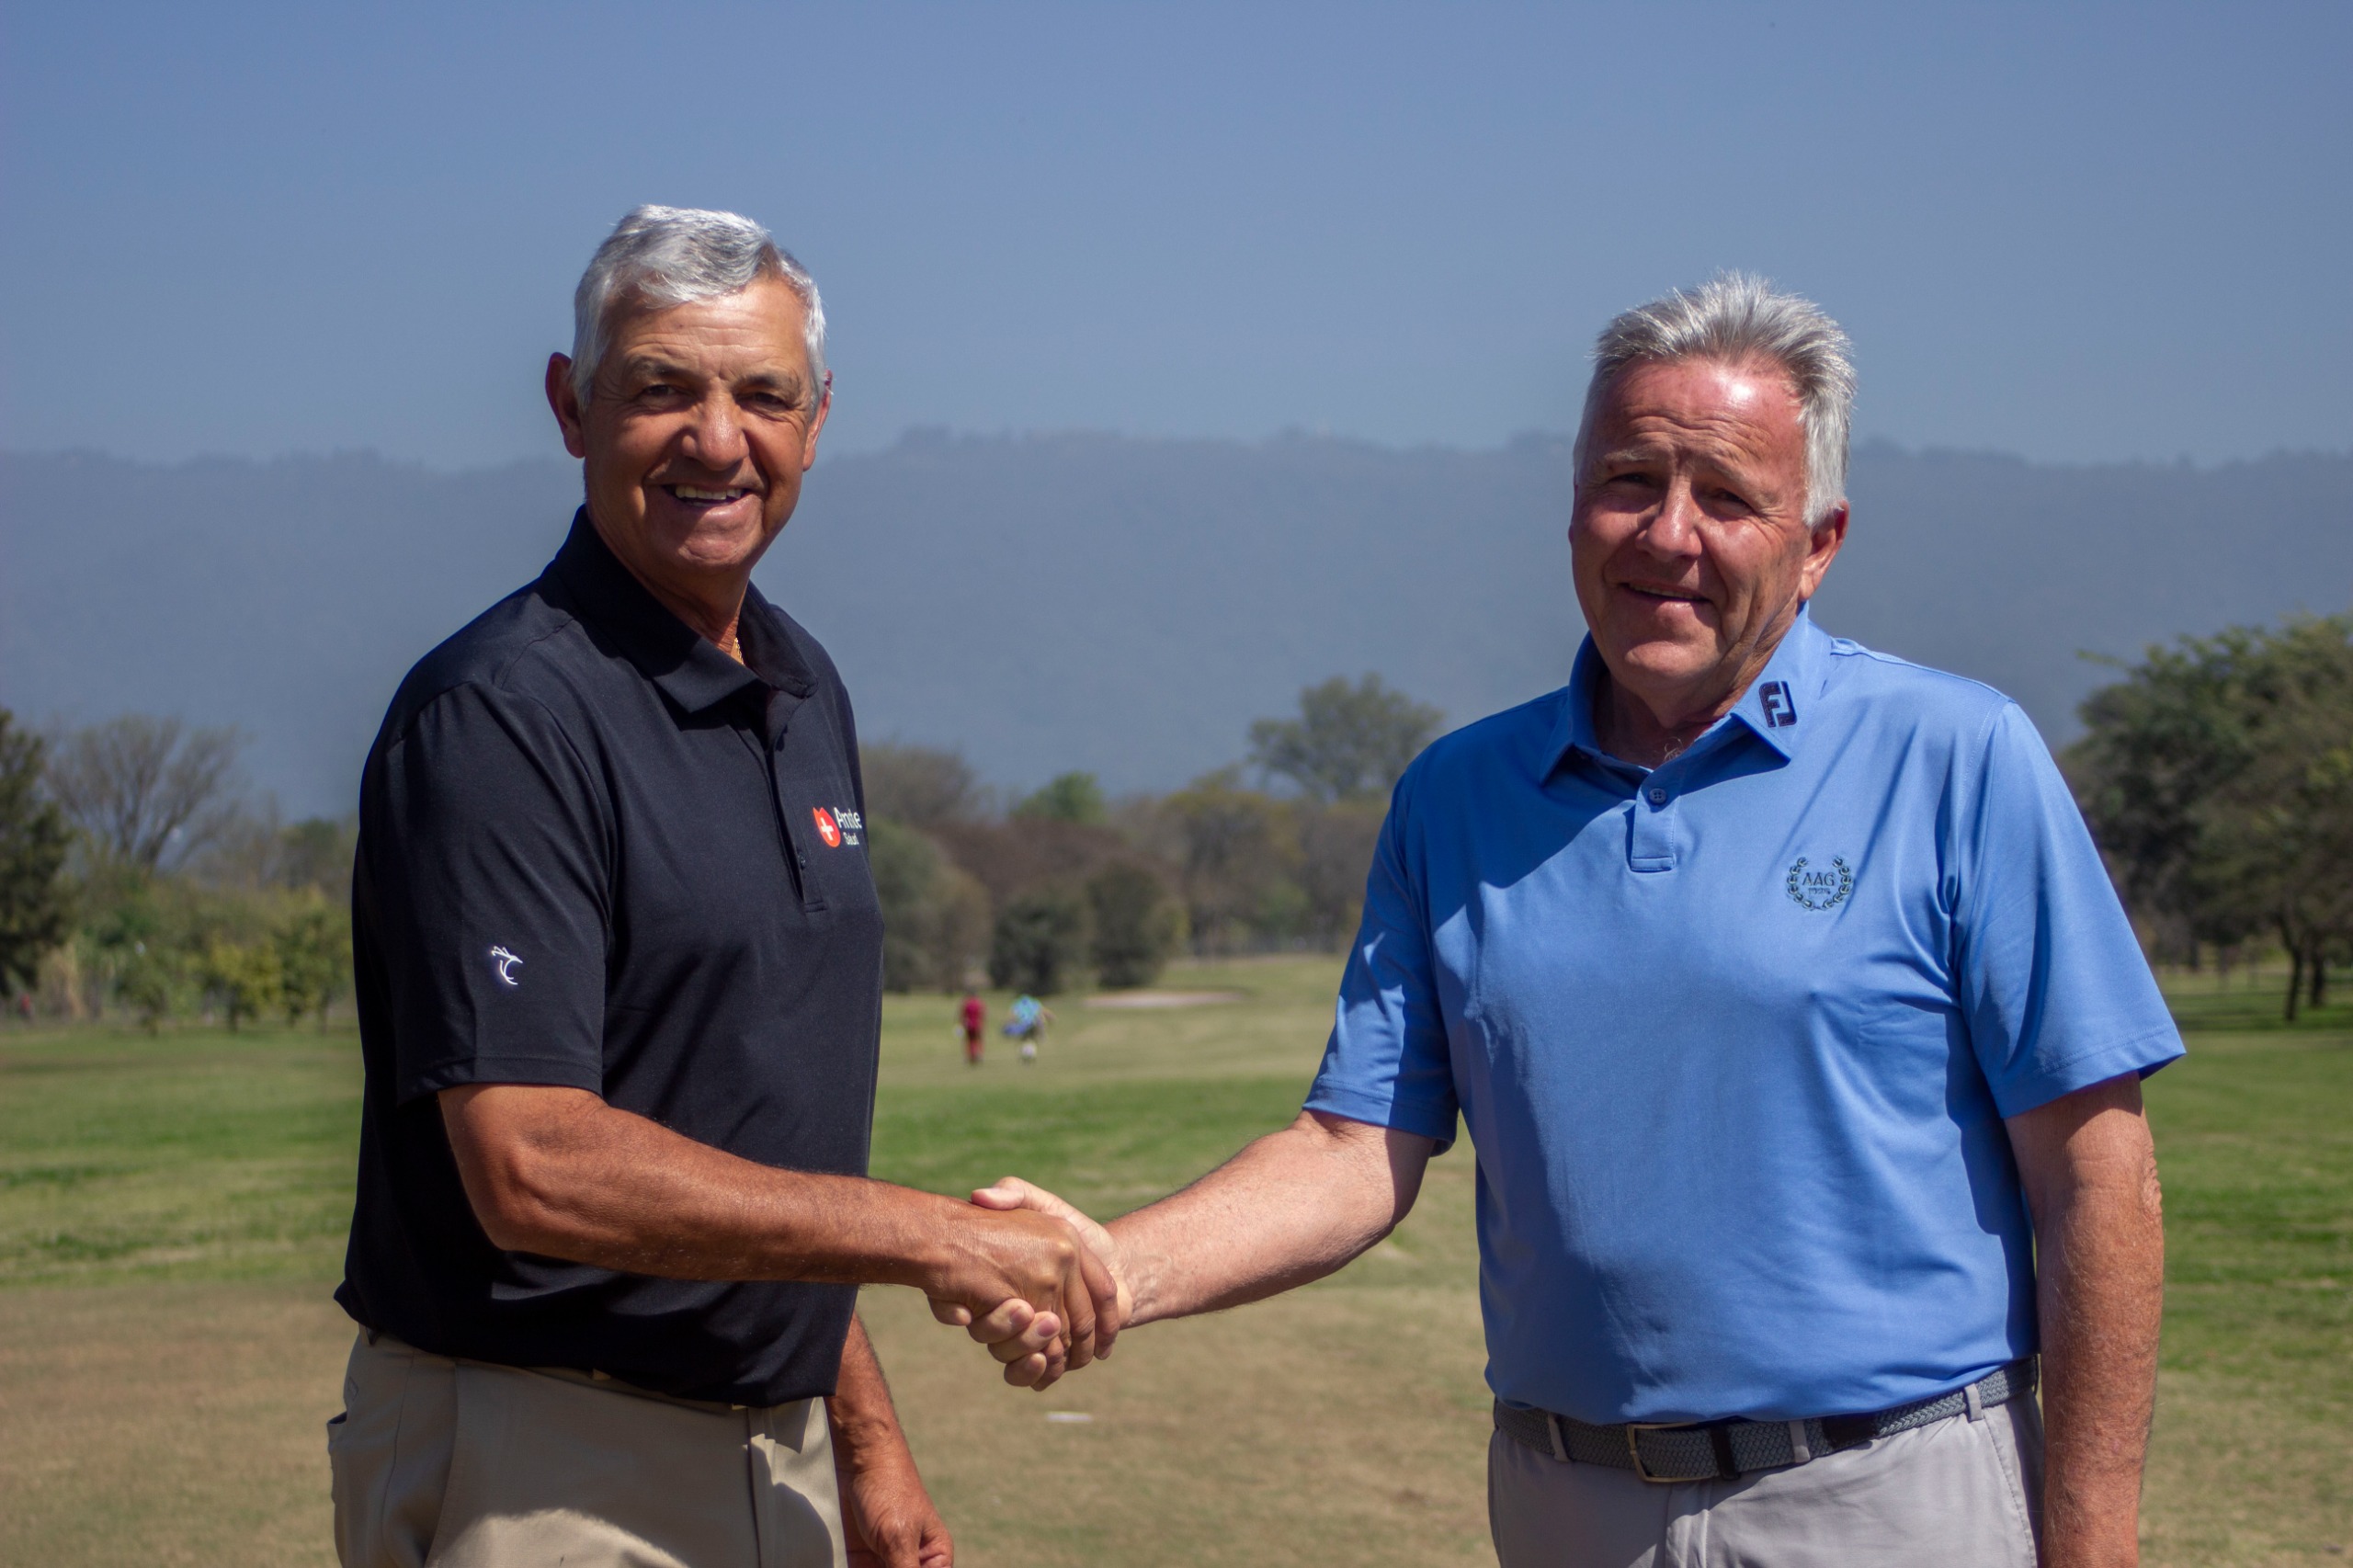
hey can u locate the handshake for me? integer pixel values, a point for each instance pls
(1037, 1281)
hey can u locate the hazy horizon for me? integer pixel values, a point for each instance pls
(1123, 605)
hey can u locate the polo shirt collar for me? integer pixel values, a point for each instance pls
(1778, 702)
(1573, 728)
(1774, 707)
(687, 665)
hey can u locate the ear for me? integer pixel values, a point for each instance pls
(1821, 549)
(818, 425)
(569, 418)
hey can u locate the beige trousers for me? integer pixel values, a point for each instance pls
(1960, 1492)
(468, 1464)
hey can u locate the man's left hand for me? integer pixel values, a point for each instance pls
(887, 1516)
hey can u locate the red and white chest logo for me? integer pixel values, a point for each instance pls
(827, 828)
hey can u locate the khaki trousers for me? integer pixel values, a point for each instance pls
(468, 1464)
(1961, 1492)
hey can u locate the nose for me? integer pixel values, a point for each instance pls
(1673, 528)
(715, 437)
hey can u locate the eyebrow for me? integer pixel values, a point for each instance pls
(1718, 455)
(643, 366)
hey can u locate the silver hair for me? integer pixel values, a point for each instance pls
(1734, 317)
(660, 256)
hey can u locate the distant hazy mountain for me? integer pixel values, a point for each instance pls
(1091, 601)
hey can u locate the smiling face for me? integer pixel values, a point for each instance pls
(701, 419)
(1689, 543)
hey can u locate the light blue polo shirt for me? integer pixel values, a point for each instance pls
(1735, 1038)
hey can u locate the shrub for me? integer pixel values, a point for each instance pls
(1138, 923)
(313, 958)
(1041, 943)
(245, 977)
(906, 869)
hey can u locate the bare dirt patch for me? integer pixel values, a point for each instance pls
(1147, 1001)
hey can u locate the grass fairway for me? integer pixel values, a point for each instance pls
(172, 1213)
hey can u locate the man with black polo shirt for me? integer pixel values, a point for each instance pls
(618, 979)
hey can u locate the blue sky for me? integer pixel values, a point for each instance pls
(2079, 232)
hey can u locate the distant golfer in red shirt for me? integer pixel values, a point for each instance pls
(976, 1015)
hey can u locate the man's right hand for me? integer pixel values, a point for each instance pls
(1024, 1285)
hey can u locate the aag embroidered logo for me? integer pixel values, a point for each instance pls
(1820, 886)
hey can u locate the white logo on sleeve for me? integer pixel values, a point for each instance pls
(504, 963)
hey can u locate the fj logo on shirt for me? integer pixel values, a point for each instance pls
(506, 963)
(1820, 886)
(1780, 712)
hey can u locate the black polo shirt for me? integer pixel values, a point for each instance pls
(596, 851)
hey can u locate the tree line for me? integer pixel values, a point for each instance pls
(141, 877)
(1064, 885)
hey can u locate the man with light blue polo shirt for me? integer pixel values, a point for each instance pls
(1795, 1023)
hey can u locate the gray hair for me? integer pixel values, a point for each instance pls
(1733, 317)
(660, 256)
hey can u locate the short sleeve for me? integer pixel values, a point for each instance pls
(2057, 993)
(1387, 1062)
(485, 852)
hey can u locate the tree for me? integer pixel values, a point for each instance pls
(1041, 942)
(935, 917)
(921, 787)
(961, 925)
(1138, 923)
(145, 790)
(314, 948)
(1335, 846)
(156, 980)
(317, 853)
(243, 977)
(1349, 742)
(1237, 850)
(2158, 744)
(33, 840)
(2275, 833)
(904, 865)
(2218, 775)
(1066, 797)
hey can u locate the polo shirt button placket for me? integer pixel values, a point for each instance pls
(1650, 839)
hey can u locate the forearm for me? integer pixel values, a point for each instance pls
(865, 1422)
(601, 1185)
(887, 1516)
(2100, 1287)
(1292, 1206)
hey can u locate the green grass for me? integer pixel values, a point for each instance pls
(186, 1155)
(172, 1215)
(2254, 1458)
(2257, 1134)
(1107, 1147)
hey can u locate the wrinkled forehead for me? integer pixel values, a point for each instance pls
(1749, 407)
(758, 330)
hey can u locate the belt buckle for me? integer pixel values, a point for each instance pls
(1634, 1430)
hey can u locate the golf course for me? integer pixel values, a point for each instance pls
(172, 1209)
